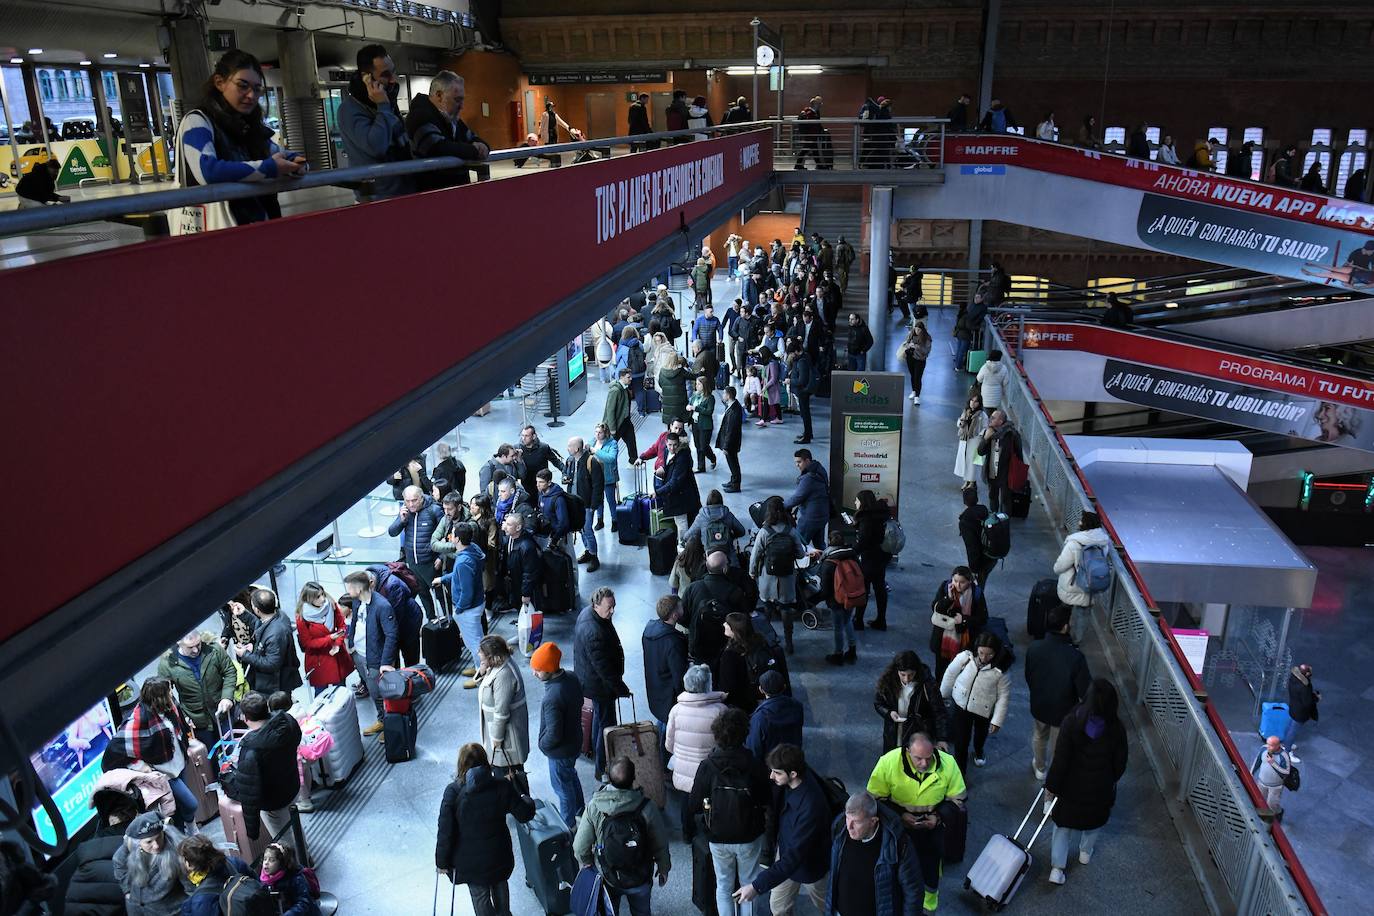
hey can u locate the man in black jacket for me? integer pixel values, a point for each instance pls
(265, 780)
(535, 456)
(971, 533)
(1000, 445)
(1058, 678)
(599, 660)
(705, 603)
(585, 477)
(560, 728)
(860, 342)
(639, 123)
(665, 660)
(271, 660)
(435, 129)
(523, 565)
(801, 382)
(730, 436)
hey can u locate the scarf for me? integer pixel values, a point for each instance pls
(324, 616)
(247, 135)
(196, 877)
(270, 878)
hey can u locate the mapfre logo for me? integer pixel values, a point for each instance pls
(1038, 338)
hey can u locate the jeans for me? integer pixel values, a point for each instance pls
(961, 354)
(968, 725)
(858, 362)
(186, 800)
(638, 898)
(1064, 837)
(603, 716)
(1290, 733)
(589, 535)
(736, 864)
(470, 628)
(842, 621)
(1043, 737)
(568, 788)
(683, 523)
(783, 900)
(612, 497)
(490, 899)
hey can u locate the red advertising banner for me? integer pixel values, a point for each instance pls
(1217, 364)
(1172, 181)
(150, 385)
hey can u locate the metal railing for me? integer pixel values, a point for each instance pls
(849, 144)
(1201, 763)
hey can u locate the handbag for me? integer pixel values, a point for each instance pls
(201, 218)
(1293, 781)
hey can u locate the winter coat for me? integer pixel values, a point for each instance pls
(1302, 697)
(970, 428)
(689, 737)
(705, 642)
(622, 359)
(505, 715)
(554, 506)
(803, 837)
(560, 717)
(812, 498)
(708, 514)
(93, 889)
(599, 658)
(730, 433)
(473, 839)
(198, 697)
(665, 662)
(159, 897)
(433, 133)
(383, 646)
(982, 691)
(1058, 678)
(997, 454)
(782, 589)
(608, 453)
(898, 888)
(1067, 564)
(943, 611)
(316, 639)
(586, 478)
(925, 712)
(777, 720)
(273, 664)
(524, 567)
(204, 900)
(265, 777)
(465, 581)
(992, 377)
(416, 529)
(672, 387)
(291, 893)
(1084, 772)
(971, 533)
(716, 762)
(154, 789)
(610, 800)
(678, 494)
(147, 736)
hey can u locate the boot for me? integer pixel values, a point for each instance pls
(787, 630)
(851, 656)
(858, 621)
(880, 623)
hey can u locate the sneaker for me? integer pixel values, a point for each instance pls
(305, 807)
(1039, 773)
(469, 672)
(586, 557)
(1056, 876)
(916, 399)
(851, 656)
(980, 761)
(374, 729)
(760, 423)
(1294, 758)
(593, 565)
(1084, 857)
(776, 422)
(471, 683)
(931, 902)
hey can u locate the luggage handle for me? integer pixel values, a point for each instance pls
(1015, 837)
(634, 713)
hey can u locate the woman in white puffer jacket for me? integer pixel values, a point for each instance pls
(689, 737)
(1089, 534)
(977, 680)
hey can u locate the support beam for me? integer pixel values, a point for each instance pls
(189, 59)
(879, 250)
(992, 18)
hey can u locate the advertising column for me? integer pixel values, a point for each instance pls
(866, 411)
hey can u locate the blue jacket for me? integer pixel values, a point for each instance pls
(383, 632)
(560, 717)
(665, 662)
(777, 720)
(204, 900)
(416, 530)
(622, 356)
(803, 837)
(555, 509)
(465, 582)
(706, 330)
(292, 894)
(898, 889)
(812, 495)
(372, 135)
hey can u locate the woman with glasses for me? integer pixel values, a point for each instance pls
(224, 139)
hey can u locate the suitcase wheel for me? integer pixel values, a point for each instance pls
(810, 619)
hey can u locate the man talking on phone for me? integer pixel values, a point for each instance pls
(371, 126)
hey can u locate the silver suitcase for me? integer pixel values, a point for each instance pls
(336, 710)
(1004, 862)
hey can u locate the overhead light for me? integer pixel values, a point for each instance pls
(806, 70)
(109, 55)
(35, 50)
(1171, 305)
(145, 66)
(16, 60)
(800, 70)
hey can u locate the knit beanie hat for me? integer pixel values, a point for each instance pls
(546, 658)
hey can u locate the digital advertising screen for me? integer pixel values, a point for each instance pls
(577, 360)
(68, 766)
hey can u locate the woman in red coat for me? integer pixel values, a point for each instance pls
(321, 629)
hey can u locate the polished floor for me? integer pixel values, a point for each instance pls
(373, 840)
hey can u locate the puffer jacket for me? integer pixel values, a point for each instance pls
(265, 777)
(812, 498)
(689, 733)
(1067, 564)
(982, 691)
(992, 376)
(472, 838)
(417, 530)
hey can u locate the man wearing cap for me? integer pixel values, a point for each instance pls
(560, 728)
(777, 720)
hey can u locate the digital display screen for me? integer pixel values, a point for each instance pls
(68, 766)
(577, 360)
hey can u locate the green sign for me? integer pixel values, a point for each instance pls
(867, 410)
(75, 168)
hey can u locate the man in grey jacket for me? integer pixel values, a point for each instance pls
(370, 123)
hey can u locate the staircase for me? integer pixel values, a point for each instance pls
(833, 218)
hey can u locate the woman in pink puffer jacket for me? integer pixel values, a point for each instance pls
(689, 725)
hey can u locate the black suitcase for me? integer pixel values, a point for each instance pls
(662, 551)
(400, 730)
(546, 849)
(556, 587)
(1043, 597)
(440, 643)
(703, 873)
(1020, 503)
(996, 536)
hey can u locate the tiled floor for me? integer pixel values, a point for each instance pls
(374, 842)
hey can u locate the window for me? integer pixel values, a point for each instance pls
(111, 89)
(1352, 160)
(1220, 134)
(1028, 287)
(1152, 134)
(1256, 136)
(45, 85)
(1321, 137)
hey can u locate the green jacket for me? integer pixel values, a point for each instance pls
(198, 698)
(705, 406)
(701, 278)
(617, 407)
(610, 800)
(672, 388)
(439, 543)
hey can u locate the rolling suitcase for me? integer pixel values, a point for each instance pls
(703, 874)
(1004, 862)
(236, 830)
(556, 585)
(546, 850)
(997, 536)
(400, 730)
(198, 775)
(632, 513)
(1273, 720)
(663, 551)
(1020, 503)
(1043, 598)
(336, 710)
(659, 522)
(440, 643)
(587, 709)
(639, 742)
(976, 358)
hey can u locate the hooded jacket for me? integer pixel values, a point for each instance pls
(465, 582)
(198, 696)
(777, 720)
(707, 515)
(204, 900)
(416, 530)
(599, 658)
(1085, 771)
(611, 800)
(1067, 564)
(689, 737)
(717, 760)
(473, 839)
(812, 496)
(265, 777)
(94, 890)
(985, 691)
(665, 662)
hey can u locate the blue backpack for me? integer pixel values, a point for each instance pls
(1093, 574)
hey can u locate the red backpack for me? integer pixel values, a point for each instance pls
(851, 591)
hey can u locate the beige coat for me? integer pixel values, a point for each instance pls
(689, 734)
(505, 716)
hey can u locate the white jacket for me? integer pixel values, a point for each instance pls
(982, 691)
(992, 376)
(1067, 565)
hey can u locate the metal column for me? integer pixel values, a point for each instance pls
(879, 250)
(189, 60)
(303, 121)
(992, 16)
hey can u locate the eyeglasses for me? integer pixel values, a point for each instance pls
(248, 88)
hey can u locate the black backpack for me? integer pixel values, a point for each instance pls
(623, 854)
(768, 658)
(711, 617)
(636, 361)
(779, 559)
(577, 511)
(244, 895)
(731, 815)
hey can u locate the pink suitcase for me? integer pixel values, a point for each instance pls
(198, 776)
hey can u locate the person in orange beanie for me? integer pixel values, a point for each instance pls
(560, 728)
